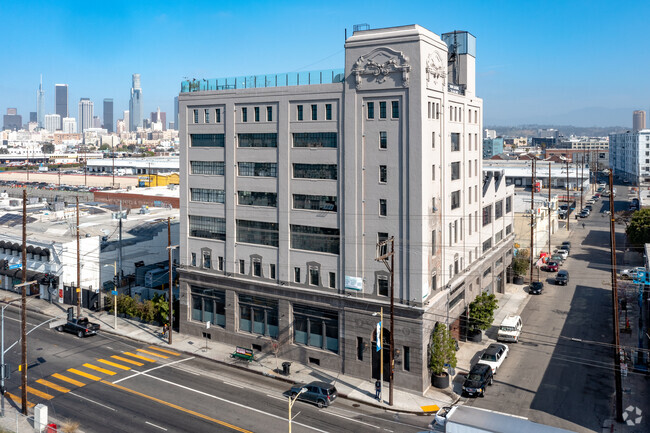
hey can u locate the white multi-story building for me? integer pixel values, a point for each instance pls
(52, 122)
(69, 125)
(85, 114)
(290, 181)
(629, 155)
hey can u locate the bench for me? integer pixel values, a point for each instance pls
(243, 353)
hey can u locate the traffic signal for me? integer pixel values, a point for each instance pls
(116, 281)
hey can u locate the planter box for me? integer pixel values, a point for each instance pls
(518, 280)
(475, 336)
(440, 382)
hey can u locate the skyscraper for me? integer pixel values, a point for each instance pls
(33, 117)
(40, 104)
(127, 120)
(638, 120)
(159, 116)
(61, 100)
(52, 122)
(12, 120)
(85, 114)
(135, 104)
(70, 125)
(108, 114)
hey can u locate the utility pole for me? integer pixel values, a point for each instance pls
(383, 255)
(113, 148)
(23, 312)
(85, 165)
(582, 179)
(119, 251)
(615, 325)
(532, 218)
(568, 199)
(549, 211)
(78, 265)
(169, 250)
(59, 176)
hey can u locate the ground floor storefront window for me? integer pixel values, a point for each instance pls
(209, 305)
(258, 315)
(316, 327)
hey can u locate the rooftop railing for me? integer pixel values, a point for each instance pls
(327, 76)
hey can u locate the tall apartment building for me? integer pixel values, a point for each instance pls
(52, 122)
(135, 104)
(290, 181)
(108, 114)
(638, 120)
(85, 114)
(69, 125)
(61, 100)
(629, 156)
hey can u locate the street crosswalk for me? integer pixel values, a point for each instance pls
(79, 376)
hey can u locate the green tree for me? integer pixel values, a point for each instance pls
(481, 311)
(161, 308)
(521, 262)
(47, 148)
(442, 350)
(638, 229)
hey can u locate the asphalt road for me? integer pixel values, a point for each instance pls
(97, 381)
(561, 371)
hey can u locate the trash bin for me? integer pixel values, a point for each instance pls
(286, 368)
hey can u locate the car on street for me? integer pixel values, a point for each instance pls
(557, 258)
(583, 214)
(562, 278)
(536, 288)
(565, 247)
(562, 252)
(631, 273)
(320, 393)
(585, 209)
(589, 208)
(568, 244)
(494, 356)
(551, 267)
(81, 326)
(478, 379)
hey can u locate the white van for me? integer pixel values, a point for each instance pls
(509, 329)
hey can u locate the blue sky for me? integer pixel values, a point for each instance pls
(584, 63)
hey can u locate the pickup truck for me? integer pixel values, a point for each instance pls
(82, 327)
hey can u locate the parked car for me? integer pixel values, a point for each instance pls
(562, 278)
(583, 214)
(479, 377)
(536, 288)
(567, 243)
(563, 253)
(551, 267)
(589, 208)
(565, 247)
(494, 356)
(321, 393)
(631, 273)
(584, 209)
(557, 258)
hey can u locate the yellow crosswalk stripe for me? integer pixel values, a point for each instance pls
(171, 352)
(82, 374)
(38, 393)
(130, 361)
(69, 380)
(139, 356)
(52, 385)
(18, 400)
(101, 370)
(114, 364)
(153, 354)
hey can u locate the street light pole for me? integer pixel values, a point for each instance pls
(115, 279)
(170, 249)
(292, 401)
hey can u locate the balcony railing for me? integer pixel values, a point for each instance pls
(327, 76)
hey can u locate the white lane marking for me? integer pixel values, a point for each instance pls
(388, 430)
(340, 409)
(351, 419)
(250, 408)
(232, 384)
(154, 425)
(276, 397)
(92, 401)
(186, 370)
(154, 368)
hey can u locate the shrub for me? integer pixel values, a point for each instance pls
(481, 311)
(442, 350)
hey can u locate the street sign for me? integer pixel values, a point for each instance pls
(114, 292)
(16, 266)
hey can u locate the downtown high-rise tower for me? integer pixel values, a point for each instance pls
(61, 100)
(40, 102)
(135, 104)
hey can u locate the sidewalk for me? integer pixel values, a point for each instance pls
(359, 390)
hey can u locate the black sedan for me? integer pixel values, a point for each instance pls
(536, 288)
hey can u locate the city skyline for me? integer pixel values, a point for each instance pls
(544, 63)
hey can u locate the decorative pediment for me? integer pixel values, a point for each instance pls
(380, 63)
(435, 68)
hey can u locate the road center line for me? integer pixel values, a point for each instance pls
(154, 425)
(232, 402)
(92, 401)
(152, 369)
(348, 418)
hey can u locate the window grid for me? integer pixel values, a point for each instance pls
(207, 227)
(207, 195)
(395, 109)
(299, 110)
(207, 167)
(207, 140)
(371, 110)
(328, 111)
(382, 109)
(258, 169)
(315, 171)
(315, 139)
(383, 140)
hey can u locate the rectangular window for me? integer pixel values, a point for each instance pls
(382, 207)
(206, 195)
(206, 140)
(316, 327)
(455, 142)
(257, 232)
(487, 215)
(207, 227)
(433, 172)
(296, 274)
(328, 111)
(256, 110)
(196, 116)
(242, 266)
(206, 116)
(193, 259)
(360, 348)
(244, 114)
(487, 245)
(319, 239)
(269, 114)
(332, 280)
(455, 170)
(314, 202)
(383, 174)
(509, 204)
(498, 236)
(469, 194)
(314, 276)
(257, 169)
(220, 263)
(469, 224)
(371, 110)
(258, 315)
(217, 115)
(455, 199)
(395, 110)
(208, 305)
(382, 110)
(433, 140)
(258, 140)
(433, 242)
(314, 112)
(299, 112)
(382, 285)
(383, 140)
(215, 168)
(508, 229)
(315, 171)
(272, 271)
(498, 209)
(315, 139)
(257, 268)
(256, 198)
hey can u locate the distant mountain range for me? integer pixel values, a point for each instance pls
(565, 130)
